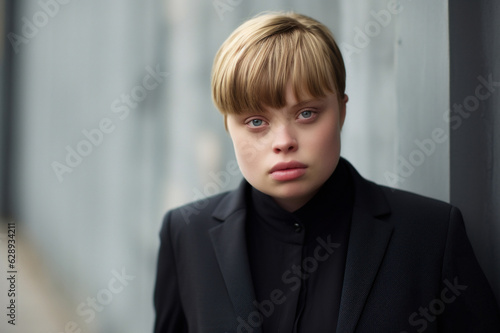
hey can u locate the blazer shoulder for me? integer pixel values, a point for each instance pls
(193, 213)
(200, 215)
(402, 198)
(382, 200)
(420, 211)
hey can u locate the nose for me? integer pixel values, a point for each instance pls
(284, 140)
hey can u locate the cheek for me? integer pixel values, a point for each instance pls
(326, 148)
(328, 157)
(334, 143)
(326, 139)
(246, 154)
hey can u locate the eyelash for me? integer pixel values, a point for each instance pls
(312, 112)
(249, 123)
(313, 115)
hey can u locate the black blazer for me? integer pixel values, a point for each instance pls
(409, 268)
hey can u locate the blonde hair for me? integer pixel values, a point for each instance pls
(254, 65)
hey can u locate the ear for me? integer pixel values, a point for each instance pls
(342, 110)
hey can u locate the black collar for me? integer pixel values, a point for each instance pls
(368, 197)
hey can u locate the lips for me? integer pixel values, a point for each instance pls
(285, 171)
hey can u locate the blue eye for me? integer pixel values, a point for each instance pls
(256, 122)
(306, 114)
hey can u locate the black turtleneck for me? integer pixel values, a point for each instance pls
(297, 259)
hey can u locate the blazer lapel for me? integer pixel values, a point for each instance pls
(368, 240)
(229, 242)
(367, 243)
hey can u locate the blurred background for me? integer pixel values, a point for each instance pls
(107, 122)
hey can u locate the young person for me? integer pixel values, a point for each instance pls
(305, 244)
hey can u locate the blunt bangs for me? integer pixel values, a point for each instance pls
(256, 63)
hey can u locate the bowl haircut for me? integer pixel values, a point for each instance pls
(261, 57)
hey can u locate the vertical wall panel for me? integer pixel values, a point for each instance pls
(422, 89)
(475, 126)
(98, 213)
(397, 79)
(366, 38)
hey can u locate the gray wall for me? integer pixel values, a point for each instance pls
(422, 86)
(103, 214)
(397, 80)
(5, 108)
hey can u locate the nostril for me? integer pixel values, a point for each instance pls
(284, 144)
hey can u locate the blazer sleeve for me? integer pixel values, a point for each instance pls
(169, 314)
(466, 299)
